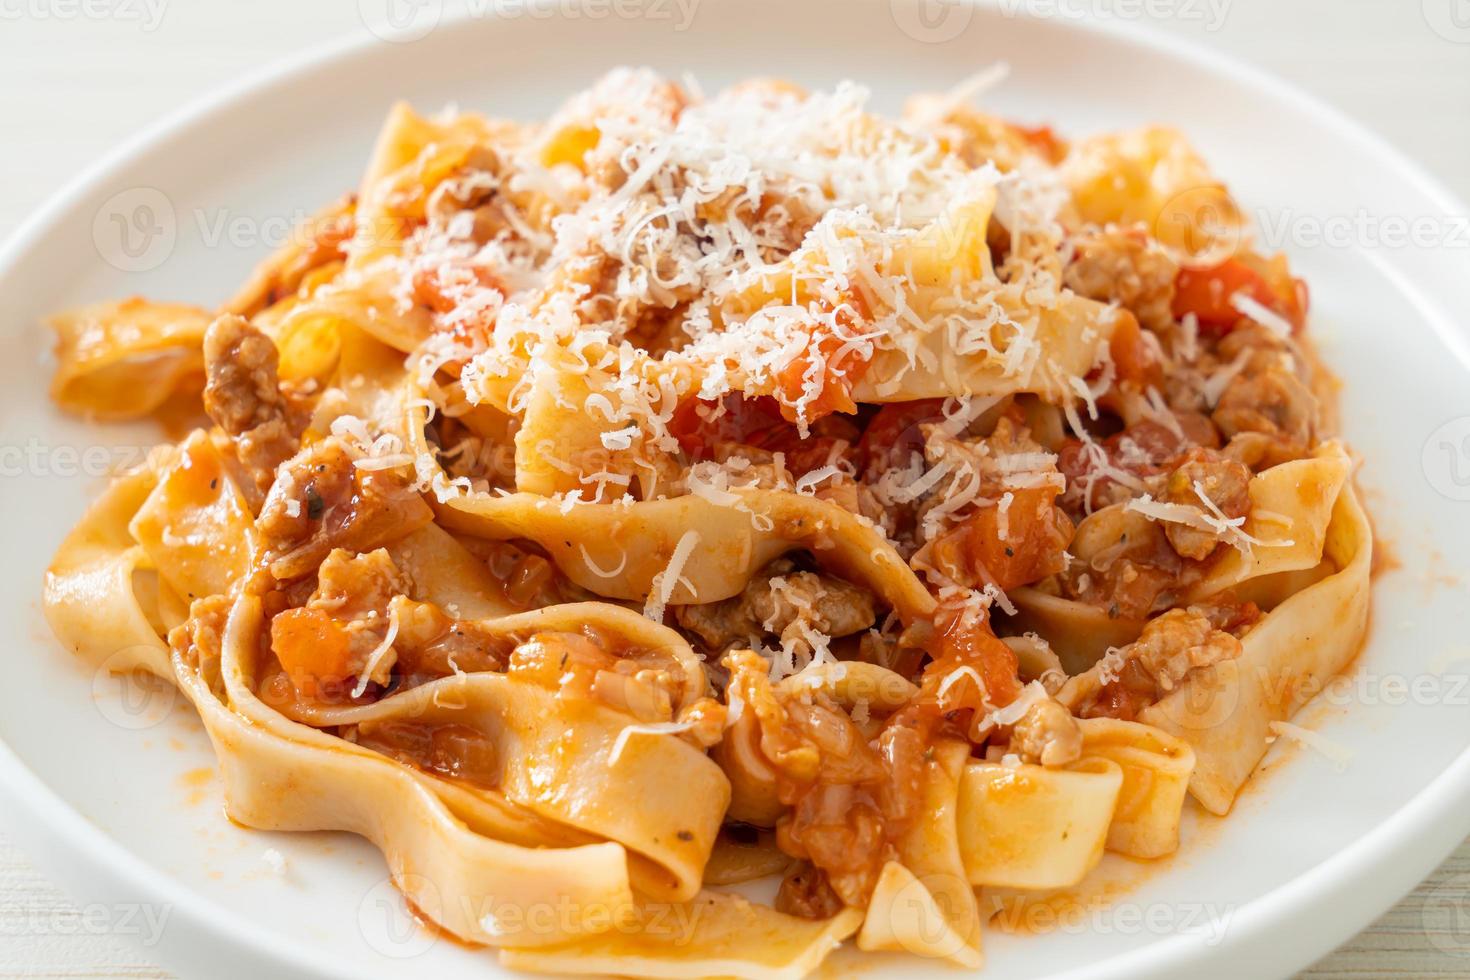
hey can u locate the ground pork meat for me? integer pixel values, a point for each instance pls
(1165, 653)
(1228, 614)
(336, 643)
(432, 644)
(1123, 266)
(1178, 642)
(1273, 411)
(357, 586)
(1127, 588)
(242, 394)
(1008, 450)
(606, 106)
(473, 190)
(1113, 471)
(847, 797)
(1225, 481)
(668, 260)
(1268, 411)
(782, 601)
(1124, 565)
(839, 827)
(1255, 339)
(590, 665)
(199, 639)
(806, 892)
(1183, 388)
(321, 501)
(1048, 735)
(355, 591)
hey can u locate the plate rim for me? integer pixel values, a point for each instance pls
(50, 827)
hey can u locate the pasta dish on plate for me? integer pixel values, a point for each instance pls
(693, 532)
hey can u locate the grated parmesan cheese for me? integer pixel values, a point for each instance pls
(595, 569)
(650, 728)
(665, 581)
(954, 677)
(1207, 517)
(275, 861)
(1338, 754)
(1031, 695)
(1003, 516)
(378, 654)
(1258, 312)
(1220, 379)
(1110, 665)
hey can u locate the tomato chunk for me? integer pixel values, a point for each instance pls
(832, 366)
(968, 641)
(313, 650)
(1132, 356)
(1207, 293)
(444, 289)
(976, 553)
(894, 434)
(701, 427)
(1046, 142)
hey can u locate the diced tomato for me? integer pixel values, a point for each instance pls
(313, 650)
(841, 370)
(975, 553)
(1207, 293)
(328, 239)
(758, 423)
(440, 289)
(968, 641)
(569, 145)
(1153, 447)
(1292, 298)
(894, 434)
(827, 355)
(1045, 141)
(1073, 462)
(701, 425)
(1134, 359)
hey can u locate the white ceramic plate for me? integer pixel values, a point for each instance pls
(112, 795)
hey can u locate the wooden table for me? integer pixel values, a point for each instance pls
(72, 87)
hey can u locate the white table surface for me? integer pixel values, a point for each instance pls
(77, 76)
